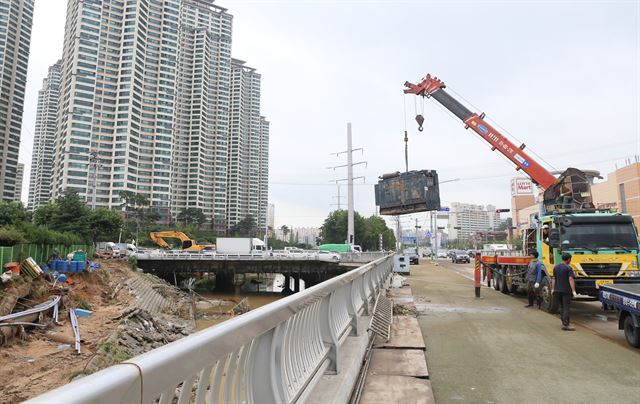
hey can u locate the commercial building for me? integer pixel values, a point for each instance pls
(16, 20)
(44, 136)
(115, 126)
(522, 197)
(247, 190)
(620, 192)
(202, 111)
(467, 219)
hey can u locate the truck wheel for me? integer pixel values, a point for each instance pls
(504, 287)
(549, 304)
(631, 332)
(512, 287)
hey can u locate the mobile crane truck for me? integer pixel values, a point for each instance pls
(604, 244)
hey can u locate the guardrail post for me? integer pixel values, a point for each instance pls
(328, 335)
(266, 356)
(363, 290)
(352, 309)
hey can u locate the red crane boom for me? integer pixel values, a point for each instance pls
(433, 87)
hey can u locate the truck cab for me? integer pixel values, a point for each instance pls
(603, 246)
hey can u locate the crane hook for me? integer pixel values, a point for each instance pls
(420, 120)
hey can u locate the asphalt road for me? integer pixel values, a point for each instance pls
(494, 350)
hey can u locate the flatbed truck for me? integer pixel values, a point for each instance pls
(604, 244)
(625, 299)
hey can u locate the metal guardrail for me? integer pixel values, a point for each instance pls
(210, 256)
(273, 354)
(361, 257)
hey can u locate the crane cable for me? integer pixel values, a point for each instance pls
(406, 137)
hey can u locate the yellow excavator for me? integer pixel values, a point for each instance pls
(187, 244)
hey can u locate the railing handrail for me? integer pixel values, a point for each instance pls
(187, 256)
(323, 311)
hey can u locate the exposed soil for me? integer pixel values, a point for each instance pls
(119, 328)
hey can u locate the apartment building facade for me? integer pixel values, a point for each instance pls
(466, 219)
(115, 124)
(16, 20)
(248, 148)
(202, 112)
(43, 139)
(150, 101)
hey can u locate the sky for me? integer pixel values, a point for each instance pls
(561, 76)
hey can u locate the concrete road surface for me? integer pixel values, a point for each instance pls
(494, 350)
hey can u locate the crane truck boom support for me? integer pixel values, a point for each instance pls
(604, 244)
(433, 87)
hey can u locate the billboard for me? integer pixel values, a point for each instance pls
(410, 192)
(521, 186)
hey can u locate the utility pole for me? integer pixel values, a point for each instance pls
(349, 179)
(398, 234)
(339, 199)
(417, 228)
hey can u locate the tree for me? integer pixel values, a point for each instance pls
(245, 227)
(105, 224)
(334, 229)
(285, 231)
(71, 215)
(134, 203)
(505, 224)
(374, 227)
(44, 215)
(12, 213)
(192, 216)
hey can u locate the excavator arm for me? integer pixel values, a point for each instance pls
(159, 236)
(433, 87)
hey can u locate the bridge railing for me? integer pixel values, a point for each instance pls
(363, 257)
(273, 354)
(354, 257)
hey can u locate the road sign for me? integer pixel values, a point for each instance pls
(428, 234)
(409, 239)
(443, 209)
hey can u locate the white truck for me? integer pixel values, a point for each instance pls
(239, 245)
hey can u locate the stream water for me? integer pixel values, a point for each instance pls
(257, 294)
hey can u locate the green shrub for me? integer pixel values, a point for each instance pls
(10, 236)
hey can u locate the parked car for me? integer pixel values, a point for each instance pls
(328, 256)
(414, 259)
(458, 257)
(442, 254)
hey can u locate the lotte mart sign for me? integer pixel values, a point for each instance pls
(521, 186)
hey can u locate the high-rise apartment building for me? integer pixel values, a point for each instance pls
(202, 111)
(263, 174)
(16, 20)
(115, 126)
(467, 219)
(150, 101)
(19, 179)
(44, 136)
(248, 148)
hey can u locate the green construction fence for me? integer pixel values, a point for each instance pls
(39, 252)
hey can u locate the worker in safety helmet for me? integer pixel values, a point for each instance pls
(534, 276)
(545, 233)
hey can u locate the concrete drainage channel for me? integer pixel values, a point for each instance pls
(395, 370)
